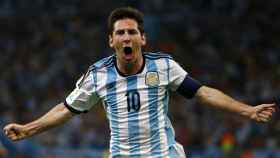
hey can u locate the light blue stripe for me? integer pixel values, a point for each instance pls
(170, 138)
(94, 78)
(168, 129)
(153, 113)
(159, 54)
(168, 69)
(133, 121)
(173, 153)
(166, 97)
(104, 62)
(111, 101)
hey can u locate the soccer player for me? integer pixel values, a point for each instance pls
(134, 87)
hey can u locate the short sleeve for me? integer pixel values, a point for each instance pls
(84, 96)
(176, 75)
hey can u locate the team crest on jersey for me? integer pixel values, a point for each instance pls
(152, 78)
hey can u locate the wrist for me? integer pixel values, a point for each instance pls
(247, 112)
(31, 128)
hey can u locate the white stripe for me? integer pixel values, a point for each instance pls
(101, 79)
(161, 65)
(101, 76)
(121, 87)
(180, 150)
(143, 117)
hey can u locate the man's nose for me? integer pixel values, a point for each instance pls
(126, 37)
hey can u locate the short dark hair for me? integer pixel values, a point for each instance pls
(123, 13)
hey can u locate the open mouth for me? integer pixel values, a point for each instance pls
(127, 50)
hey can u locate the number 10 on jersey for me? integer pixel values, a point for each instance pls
(133, 101)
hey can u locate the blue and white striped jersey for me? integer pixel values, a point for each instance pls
(136, 105)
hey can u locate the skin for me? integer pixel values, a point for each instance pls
(215, 98)
(127, 34)
(55, 117)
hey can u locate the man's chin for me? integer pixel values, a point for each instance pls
(128, 60)
(128, 57)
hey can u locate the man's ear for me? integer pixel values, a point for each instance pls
(110, 41)
(143, 39)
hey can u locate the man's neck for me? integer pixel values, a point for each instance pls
(130, 68)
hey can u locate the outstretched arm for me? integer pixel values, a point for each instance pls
(56, 116)
(216, 98)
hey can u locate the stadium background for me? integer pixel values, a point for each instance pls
(232, 45)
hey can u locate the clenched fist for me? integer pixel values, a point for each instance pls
(263, 112)
(15, 131)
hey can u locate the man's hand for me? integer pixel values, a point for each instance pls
(16, 131)
(55, 117)
(262, 113)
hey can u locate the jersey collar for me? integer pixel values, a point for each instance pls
(124, 75)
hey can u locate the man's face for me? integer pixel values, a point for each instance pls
(127, 40)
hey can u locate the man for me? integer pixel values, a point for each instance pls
(134, 88)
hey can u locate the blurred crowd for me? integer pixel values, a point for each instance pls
(231, 45)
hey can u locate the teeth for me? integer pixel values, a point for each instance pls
(127, 50)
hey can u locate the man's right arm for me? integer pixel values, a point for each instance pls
(55, 117)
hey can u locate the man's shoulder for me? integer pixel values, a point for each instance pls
(157, 55)
(104, 62)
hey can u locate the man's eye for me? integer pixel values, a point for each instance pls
(120, 32)
(132, 32)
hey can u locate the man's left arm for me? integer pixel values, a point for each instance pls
(188, 87)
(213, 97)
